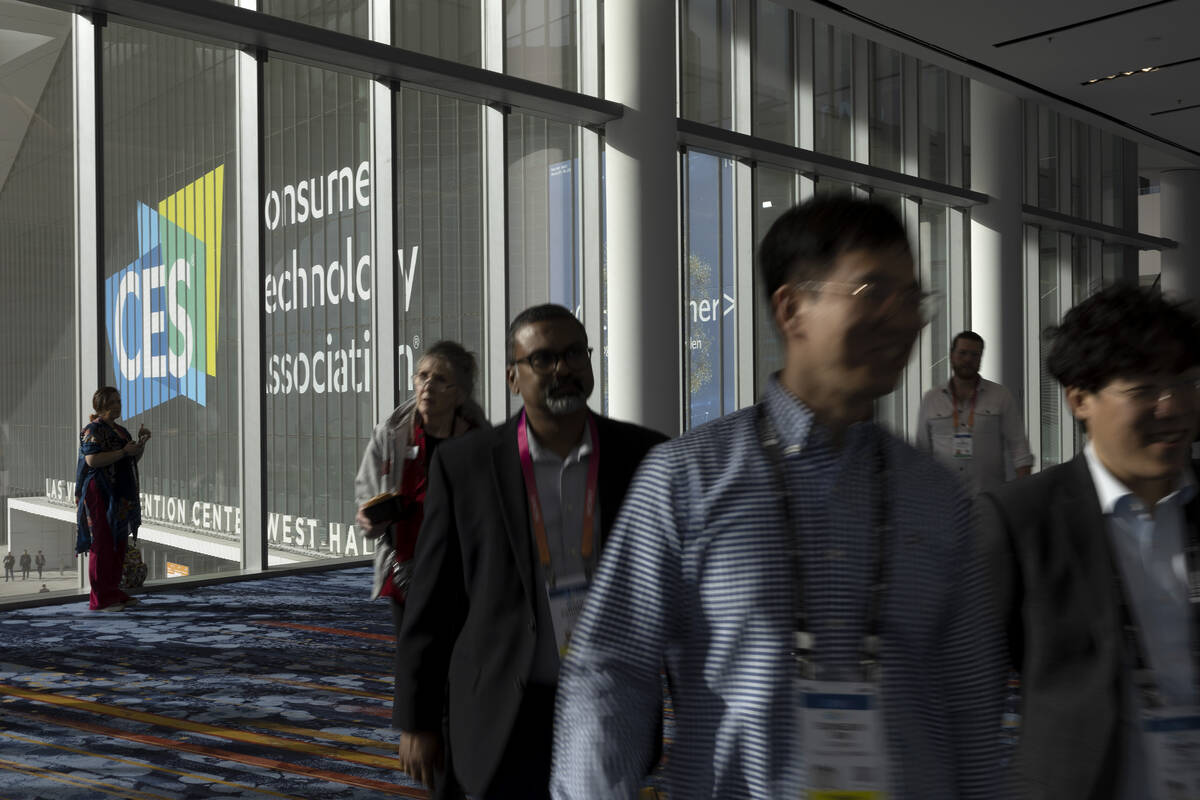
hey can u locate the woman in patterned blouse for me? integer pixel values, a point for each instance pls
(106, 491)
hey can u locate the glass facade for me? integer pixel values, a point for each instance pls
(170, 273)
(278, 242)
(40, 417)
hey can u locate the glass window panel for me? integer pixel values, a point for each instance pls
(39, 416)
(887, 108)
(439, 240)
(933, 152)
(1048, 306)
(890, 410)
(1080, 169)
(934, 241)
(450, 29)
(709, 289)
(774, 53)
(170, 271)
(833, 91)
(775, 191)
(1047, 156)
(706, 47)
(540, 41)
(319, 289)
(344, 16)
(545, 215)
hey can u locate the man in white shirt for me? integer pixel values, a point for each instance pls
(971, 423)
(1096, 562)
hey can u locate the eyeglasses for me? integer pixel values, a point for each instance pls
(1149, 395)
(878, 295)
(546, 361)
(435, 383)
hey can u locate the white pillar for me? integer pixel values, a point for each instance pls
(996, 234)
(1180, 205)
(642, 191)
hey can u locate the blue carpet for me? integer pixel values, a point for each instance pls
(271, 688)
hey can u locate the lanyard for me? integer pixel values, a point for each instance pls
(537, 519)
(1143, 675)
(803, 641)
(954, 402)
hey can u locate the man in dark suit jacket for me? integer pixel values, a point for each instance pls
(506, 522)
(1078, 545)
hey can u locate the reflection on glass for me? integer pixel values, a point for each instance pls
(343, 16)
(774, 52)
(539, 41)
(450, 29)
(170, 287)
(775, 191)
(833, 91)
(1081, 176)
(709, 289)
(39, 418)
(319, 279)
(706, 47)
(890, 410)
(439, 235)
(1048, 314)
(886, 102)
(933, 150)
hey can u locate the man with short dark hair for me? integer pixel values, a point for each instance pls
(972, 424)
(515, 521)
(1096, 562)
(796, 568)
(9, 561)
(26, 562)
(40, 562)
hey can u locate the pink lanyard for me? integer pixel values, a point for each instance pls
(535, 506)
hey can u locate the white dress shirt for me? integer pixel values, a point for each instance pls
(1149, 551)
(997, 431)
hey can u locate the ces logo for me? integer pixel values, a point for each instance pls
(162, 310)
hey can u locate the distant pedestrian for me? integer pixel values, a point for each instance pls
(40, 562)
(43, 589)
(9, 560)
(26, 562)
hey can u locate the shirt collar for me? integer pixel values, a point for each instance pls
(582, 449)
(795, 424)
(1110, 490)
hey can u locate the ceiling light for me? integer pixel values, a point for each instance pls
(1139, 71)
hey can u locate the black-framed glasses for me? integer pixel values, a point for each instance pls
(546, 361)
(879, 295)
(1149, 394)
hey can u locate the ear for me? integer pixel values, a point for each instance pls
(788, 309)
(510, 374)
(1081, 402)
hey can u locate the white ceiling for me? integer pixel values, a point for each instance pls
(1143, 33)
(31, 39)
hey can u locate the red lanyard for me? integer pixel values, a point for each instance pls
(954, 402)
(535, 506)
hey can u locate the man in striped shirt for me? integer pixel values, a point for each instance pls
(722, 526)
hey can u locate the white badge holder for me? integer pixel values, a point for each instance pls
(1171, 737)
(964, 445)
(842, 741)
(566, 598)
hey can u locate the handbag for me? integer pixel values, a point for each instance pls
(134, 570)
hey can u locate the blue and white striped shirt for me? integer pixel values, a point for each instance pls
(696, 573)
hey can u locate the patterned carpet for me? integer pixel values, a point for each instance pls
(272, 688)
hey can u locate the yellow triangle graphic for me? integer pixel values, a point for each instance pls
(198, 208)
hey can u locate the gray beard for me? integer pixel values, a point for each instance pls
(565, 404)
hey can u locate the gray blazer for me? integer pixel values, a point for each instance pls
(1052, 569)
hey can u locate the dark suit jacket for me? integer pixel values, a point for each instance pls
(469, 629)
(1052, 566)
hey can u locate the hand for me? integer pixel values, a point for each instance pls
(420, 754)
(143, 434)
(133, 449)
